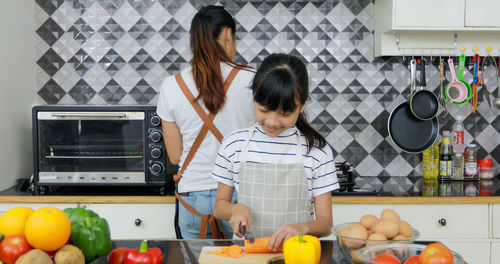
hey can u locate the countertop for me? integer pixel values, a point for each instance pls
(422, 192)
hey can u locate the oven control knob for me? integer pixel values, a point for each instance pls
(155, 120)
(156, 168)
(155, 136)
(156, 153)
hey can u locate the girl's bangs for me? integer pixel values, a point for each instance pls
(277, 92)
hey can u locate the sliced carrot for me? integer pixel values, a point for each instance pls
(233, 251)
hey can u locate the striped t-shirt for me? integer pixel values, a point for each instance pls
(319, 165)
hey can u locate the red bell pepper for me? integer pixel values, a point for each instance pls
(117, 255)
(143, 255)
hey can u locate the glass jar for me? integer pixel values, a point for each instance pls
(471, 170)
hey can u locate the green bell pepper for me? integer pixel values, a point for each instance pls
(89, 232)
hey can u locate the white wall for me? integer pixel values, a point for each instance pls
(17, 88)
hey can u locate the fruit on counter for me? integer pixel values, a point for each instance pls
(48, 229)
(69, 254)
(117, 255)
(302, 249)
(259, 245)
(233, 251)
(386, 259)
(35, 256)
(436, 253)
(143, 255)
(13, 221)
(413, 260)
(12, 247)
(89, 232)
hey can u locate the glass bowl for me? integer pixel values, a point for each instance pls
(351, 254)
(401, 251)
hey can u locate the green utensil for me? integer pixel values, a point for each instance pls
(460, 77)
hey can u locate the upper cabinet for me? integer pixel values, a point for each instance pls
(436, 27)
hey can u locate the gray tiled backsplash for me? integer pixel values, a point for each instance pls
(118, 52)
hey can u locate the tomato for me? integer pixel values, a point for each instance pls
(12, 247)
(117, 255)
(413, 260)
(436, 253)
(386, 259)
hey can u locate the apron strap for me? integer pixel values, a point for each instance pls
(214, 224)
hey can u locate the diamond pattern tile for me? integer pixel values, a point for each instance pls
(119, 52)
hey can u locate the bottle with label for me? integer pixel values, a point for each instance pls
(458, 166)
(446, 157)
(458, 135)
(427, 162)
(470, 161)
(435, 166)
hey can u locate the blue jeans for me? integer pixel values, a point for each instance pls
(204, 203)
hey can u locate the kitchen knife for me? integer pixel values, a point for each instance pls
(246, 235)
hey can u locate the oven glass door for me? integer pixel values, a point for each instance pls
(91, 143)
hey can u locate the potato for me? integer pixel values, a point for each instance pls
(35, 256)
(69, 254)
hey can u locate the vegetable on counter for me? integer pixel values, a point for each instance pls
(48, 229)
(302, 249)
(259, 245)
(12, 247)
(143, 254)
(234, 251)
(35, 256)
(69, 254)
(89, 232)
(117, 255)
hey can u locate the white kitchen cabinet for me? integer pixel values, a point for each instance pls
(447, 221)
(495, 210)
(482, 13)
(427, 14)
(6, 206)
(473, 251)
(495, 252)
(138, 221)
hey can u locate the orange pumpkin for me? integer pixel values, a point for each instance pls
(48, 229)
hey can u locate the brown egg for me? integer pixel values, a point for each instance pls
(358, 233)
(376, 239)
(354, 256)
(343, 232)
(368, 220)
(387, 227)
(389, 214)
(401, 237)
(405, 229)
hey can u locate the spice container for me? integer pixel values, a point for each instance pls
(471, 170)
(486, 169)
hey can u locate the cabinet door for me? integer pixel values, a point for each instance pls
(447, 221)
(495, 252)
(138, 221)
(482, 13)
(428, 13)
(472, 251)
(496, 220)
(6, 206)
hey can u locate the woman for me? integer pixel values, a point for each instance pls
(216, 86)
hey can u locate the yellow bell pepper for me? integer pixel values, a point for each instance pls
(302, 250)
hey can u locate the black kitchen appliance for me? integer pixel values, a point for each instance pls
(115, 149)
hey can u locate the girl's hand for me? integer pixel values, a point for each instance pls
(285, 232)
(240, 215)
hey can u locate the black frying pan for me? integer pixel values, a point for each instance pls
(423, 103)
(409, 133)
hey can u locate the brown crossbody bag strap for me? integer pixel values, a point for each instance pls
(214, 223)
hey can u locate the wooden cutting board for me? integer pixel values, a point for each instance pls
(247, 258)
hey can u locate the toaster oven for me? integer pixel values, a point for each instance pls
(97, 146)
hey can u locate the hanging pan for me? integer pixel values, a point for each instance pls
(409, 133)
(423, 103)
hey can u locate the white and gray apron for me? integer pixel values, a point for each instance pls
(277, 194)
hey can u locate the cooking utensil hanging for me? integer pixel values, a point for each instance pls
(497, 100)
(442, 101)
(409, 133)
(423, 103)
(457, 92)
(476, 80)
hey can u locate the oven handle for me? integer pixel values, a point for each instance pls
(88, 114)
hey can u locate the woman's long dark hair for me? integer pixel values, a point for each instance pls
(206, 27)
(279, 82)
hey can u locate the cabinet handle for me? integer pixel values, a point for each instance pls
(442, 221)
(138, 222)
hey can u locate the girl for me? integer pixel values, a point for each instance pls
(281, 167)
(187, 105)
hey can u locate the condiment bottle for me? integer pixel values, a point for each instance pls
(470, 161)
(446, 157)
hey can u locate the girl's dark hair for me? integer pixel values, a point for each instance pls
(280, 81)
(206, 27)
